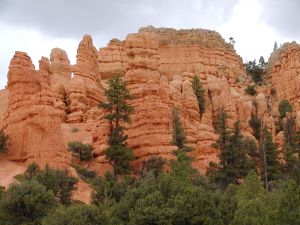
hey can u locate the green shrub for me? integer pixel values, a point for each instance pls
(59, 182)
(83, 151)
(74, 215)
(26, 203)
(84, 173)
(250, 90)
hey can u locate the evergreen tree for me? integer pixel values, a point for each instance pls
(271, 169)
(262, 63)
(234, 163)
(199, 93)
(256, 70)
(119, 112)
(289, 205)
(275, 46)
(179, 138)
(251, 203)
(255, 122)
(58, 181)
(26, 203)
(291, 147)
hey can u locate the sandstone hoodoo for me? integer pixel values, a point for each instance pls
(57, 104)
(31, 121)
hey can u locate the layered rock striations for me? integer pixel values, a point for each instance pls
(84, 91)
(31, 120)
(58, 103)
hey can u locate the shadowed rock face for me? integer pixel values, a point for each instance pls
(158, 65)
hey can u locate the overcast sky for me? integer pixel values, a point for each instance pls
(37, 26)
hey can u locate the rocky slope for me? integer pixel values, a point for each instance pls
(49, 107)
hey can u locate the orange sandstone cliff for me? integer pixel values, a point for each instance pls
(57, 104)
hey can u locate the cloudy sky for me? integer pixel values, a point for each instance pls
(37, 26)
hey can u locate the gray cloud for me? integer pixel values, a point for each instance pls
(283, 16)
(73, 18)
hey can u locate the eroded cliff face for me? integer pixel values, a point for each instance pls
(31, 121)
(48, 105)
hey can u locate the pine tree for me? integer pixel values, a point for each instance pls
(200, 94)
(271, 169)
(118, 113)
(275, 46)
(234, 164)
(291, 147)
(255, 122)
(179, 138)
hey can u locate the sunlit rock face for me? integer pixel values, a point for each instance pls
(31, 120)
(57, 104)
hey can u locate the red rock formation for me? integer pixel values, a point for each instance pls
(112, 59)
(61, 76)
(84, 90)
(158, 65)
(31, 120)
(284, 71)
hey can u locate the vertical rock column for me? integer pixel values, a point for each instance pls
(84, 90)
(60, 78)
(31, 120)
(149, 134)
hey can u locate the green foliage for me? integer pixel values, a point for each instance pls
(289, 205)
(291, 147)
(271, 166)
(251, 203)
(250, 90)
(284, 107)
(75, 215)
(195, 206)
(59, 182)
(26, 203)
(228, 203)
(3, 141)
(84, 173)
(2, 189)
(32, 170)
(82, 151)
(234, 163)
(256, 70)
(199, 92)
(255, 122)
(168, 199)
(110, 187)
(153, 164)
(118, 113)
(178, 133)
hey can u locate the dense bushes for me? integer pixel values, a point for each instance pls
(26, 203)
(173, 198)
